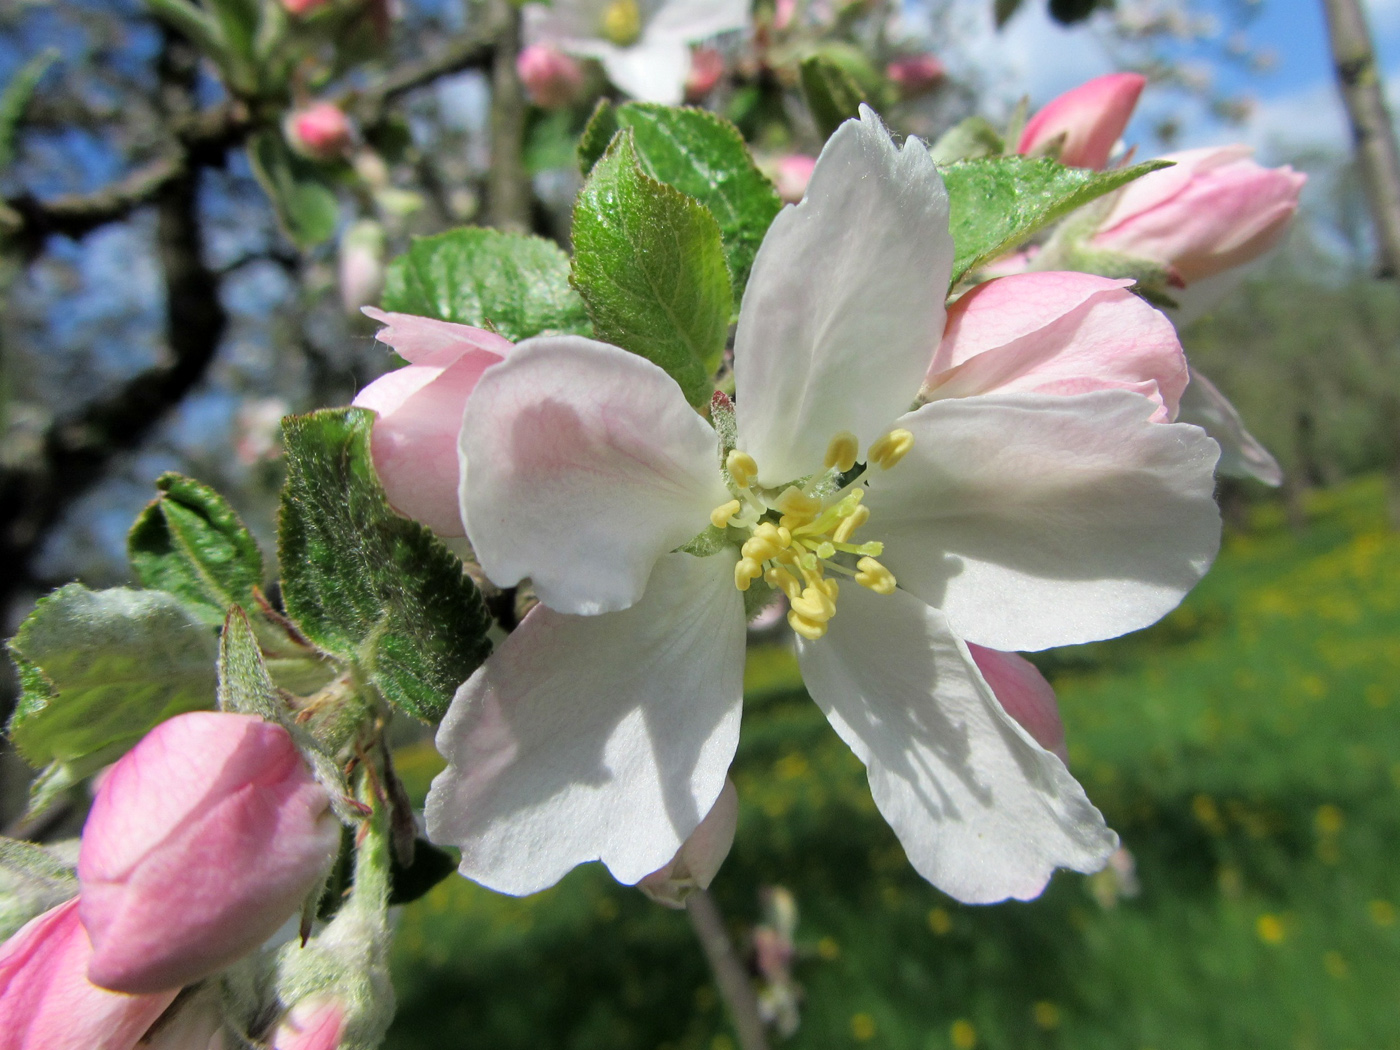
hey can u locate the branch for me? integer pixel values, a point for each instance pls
(507, 185)
(474, 51)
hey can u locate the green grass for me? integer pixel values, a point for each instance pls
(1247, 749)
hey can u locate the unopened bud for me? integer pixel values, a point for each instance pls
(552, 79)
(706, 69)
(791, 176)
(321, 131)
(698, 860)
(915, 74)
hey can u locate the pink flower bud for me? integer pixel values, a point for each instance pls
(202, 841)
(793, 173)
(1213, 210)
(783, 14)
(915, 74)
(360, 265)
(299, 8)
(315, 1025)
(1057, 333)
(698, 860)
(706, 68)
(420, 412)
(1024, 694)
(321, 131)
(552, 79)
(1091, 118)
(46, 1000)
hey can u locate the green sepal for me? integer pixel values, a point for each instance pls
(98, 669)
(506, 282)
(649, 263)
(191, 543)
(430, 865)
(704, 156)
(365, 584)
(996, 204)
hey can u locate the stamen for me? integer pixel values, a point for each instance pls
(746, 570)
(814, 605)
(622, 22)
(807, 628)
(842, 451)
(795, 503)
(741, 467)
(874, 576)
(721, 515)
(891, 448)
(784, 581)
(858, 517)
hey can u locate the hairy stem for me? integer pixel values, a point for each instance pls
(733, 982)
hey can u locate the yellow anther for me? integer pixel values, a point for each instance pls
(858, 517)
(741, 467)
(784, 581)
(813, 604)
(874, 576)
(832, 588)
(784, 536)
(622, 22)
(842, 451)
(770, 533)
(891, 448)
(746, 570)
(758, 548)
(809, 629)
(719, 517)
(796, 504)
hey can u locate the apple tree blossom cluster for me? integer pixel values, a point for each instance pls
(934, 409)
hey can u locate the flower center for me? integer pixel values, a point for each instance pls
(798, 535)
(622, 22)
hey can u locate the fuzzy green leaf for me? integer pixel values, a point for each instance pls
(649, 262)
(996, 204)
(365, 584)
(703, 156)
(832, 93)
(99, 668)
(515, 285)
(190, 542)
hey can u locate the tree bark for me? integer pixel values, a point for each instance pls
(1373, 134)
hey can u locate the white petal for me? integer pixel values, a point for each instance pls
(595, 737)
(1034, 520)
(845, 305)
(696, 19)
(1241, 454)
(652, 70)
(982, 810)
(587, 465)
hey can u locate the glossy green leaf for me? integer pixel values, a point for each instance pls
(996, 204)
(365, 584)
(306, 208)
(515, 285)
(190, 542)
(705, 157)
(99, 668)
(649, 263)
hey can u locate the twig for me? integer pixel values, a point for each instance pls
(507, 186)
(733, 982)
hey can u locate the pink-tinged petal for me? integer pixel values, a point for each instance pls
(845, 302)
(698, 861)
(1057, 333)
(1091, 118)
(1036, 521)
(317, 1025)
(47, 1002)
(586, 465)
(1241, 454)
(595, 737)
(202, 841)
(1215, 209)
(654, 69)
(426, 341)
(982, 811)
(1025, 695)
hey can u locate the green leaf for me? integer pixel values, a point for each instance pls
(515, 285)
(32, 880)
(832, 93)
(649, 262)
(190, 542)
(969, 139)
(430, 865)
(703, 156)
(365, 584)
(100, 668)
(306, 209)
(16, 98)
(598, 133)
(996, 204)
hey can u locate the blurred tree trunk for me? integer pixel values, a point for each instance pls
(1378, 158)
(508, 186)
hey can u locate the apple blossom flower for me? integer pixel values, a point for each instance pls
(706, 69)
(303, 7)
(603, 726)
(414, 443)
(698, 860)
(915, 74)
(316, 1025)
(791, 175)
(552, 79)
(47, 1002)
(644, 45)
(360, 265)
(1241, 454)
(1024, 694)
(1213, 210)
(196, 1022)
(1085, 121)
(202, 840)
(320, 131)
